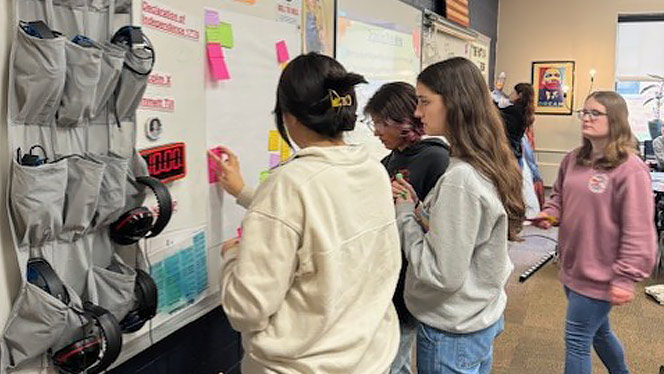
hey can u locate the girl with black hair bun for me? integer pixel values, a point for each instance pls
(310, 283)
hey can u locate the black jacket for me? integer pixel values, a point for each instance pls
(515, 126)
(421, 165)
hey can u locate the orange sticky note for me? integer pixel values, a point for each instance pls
(282, 51)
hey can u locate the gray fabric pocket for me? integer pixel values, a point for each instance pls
(112, 194)
(36, 324)
(132, 84)
(83, 184)
(37, 199)
(111, 66)
(38, 69)
(83, 69)
(115, 287)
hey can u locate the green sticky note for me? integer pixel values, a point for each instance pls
(213, 34)
(263, 176)
(226, 30)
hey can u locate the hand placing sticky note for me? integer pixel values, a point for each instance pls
(211, 18)
(212, 166)
(282, 51)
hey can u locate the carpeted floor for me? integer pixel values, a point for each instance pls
(533, 339)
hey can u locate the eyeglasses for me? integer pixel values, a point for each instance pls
(371, 125)
(593, 114)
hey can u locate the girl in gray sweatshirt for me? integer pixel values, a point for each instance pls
(456, 239)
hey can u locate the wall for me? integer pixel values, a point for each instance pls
(582, 31)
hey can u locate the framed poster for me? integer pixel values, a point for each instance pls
(553, 82)
(318, 22)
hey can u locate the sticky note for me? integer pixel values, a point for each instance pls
(214, 50)
(212, 166)
(263, 175)
(282, 51)
(275, 159)
(213, 34)
(226, 35)
(239, 232)
(285, 151)
(218, 69)
(282, 65)
(211, 17)
(273, 141)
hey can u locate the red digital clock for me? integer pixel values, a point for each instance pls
(166, 162)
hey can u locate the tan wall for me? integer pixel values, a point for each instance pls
(583, 31)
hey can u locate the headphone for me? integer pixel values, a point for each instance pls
(97, 351)
(94, 353)
(134, 38)
(139, 223)
(145, 291)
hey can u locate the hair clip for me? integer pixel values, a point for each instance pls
(337, 101)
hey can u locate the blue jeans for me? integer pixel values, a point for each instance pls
(440, 352)
(588, 325)
(402, 362)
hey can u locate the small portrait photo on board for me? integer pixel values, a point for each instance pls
(553, 82)
(153, 128)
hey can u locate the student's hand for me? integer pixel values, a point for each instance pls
(228, 172)
(620, 296)
(542, 221)
(402, 191)
(228, 244)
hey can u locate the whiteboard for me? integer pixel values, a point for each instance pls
(239, 110)
(381, 43)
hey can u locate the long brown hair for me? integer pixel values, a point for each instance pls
(621, 143)
(527, 101)
(475, 131)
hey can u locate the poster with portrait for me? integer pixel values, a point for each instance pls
(553, 82)
(318, 26)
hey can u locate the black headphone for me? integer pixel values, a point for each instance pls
(139, 223)
(94, 353)
(97, 351)
(42, 275)
(131, 36)
(145, 291)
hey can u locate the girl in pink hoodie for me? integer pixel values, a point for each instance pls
(607, 241)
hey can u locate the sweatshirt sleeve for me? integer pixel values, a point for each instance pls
(441, 257)
(245, 197)
(554, 206)
(256, 275)
(638, 242)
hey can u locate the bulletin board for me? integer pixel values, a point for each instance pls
(239, 109)
(442, 39)
(381, 43)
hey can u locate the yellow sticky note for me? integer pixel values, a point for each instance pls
(285, 151)
(282, 65)
(263, 176)
(273, 141)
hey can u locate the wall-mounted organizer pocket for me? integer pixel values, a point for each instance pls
(113, 186)
(83, 72)
(37, 201)
(139, 60)
(83, 185)
(38, 69)
(115, 287)
(35, 325)
(111, 66)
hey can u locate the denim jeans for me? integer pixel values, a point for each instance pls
(440, 352)
(402, 362)
(588, 324)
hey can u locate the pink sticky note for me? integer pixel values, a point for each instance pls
(214, 50)
(239, 232)
(219, 69)
(282, 51)
(212, 174)
(211, 18)
(275, 159)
